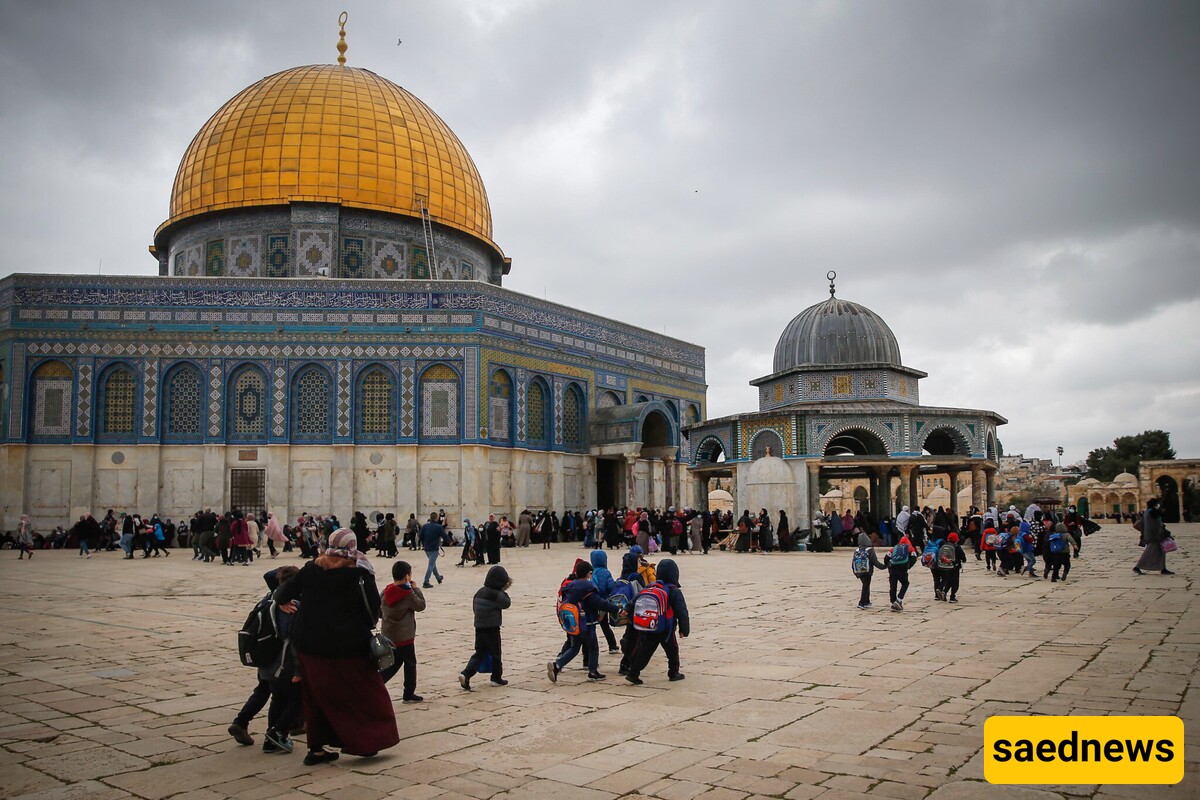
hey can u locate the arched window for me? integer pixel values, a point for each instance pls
(500, 406)
(50, 401)
(536, 422)
(439, 403)
(247, 406)
(182, 403)
(608, 400)
(572, 418)
(117, 403)
(312, 405)
(376, 405)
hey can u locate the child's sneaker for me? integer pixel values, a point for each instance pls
(464, 682)
(499, 682)
(278, 742)
(678, 676)
(900, 602)
(895, 606)
(552, 671)
(953, 599)
(240, 734)
(634, 679)
(614, 650)
(413, 698)
(863, 606)
(596, 676)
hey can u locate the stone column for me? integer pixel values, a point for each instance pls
(953, 473)
(884, 508)
(700, 494)
(814, 486)
(669, 479)
(990, 479)
(630, 482)
(913, 502)
(977, 486)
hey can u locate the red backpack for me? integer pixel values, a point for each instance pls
(652, 610)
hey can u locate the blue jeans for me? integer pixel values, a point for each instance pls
(585, 640)
(432, 569)
(1030, 560)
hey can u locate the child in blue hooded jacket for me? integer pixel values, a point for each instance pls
(647, 642)
(583, 592)
(604, 587)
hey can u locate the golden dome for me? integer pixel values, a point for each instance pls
(331, 134)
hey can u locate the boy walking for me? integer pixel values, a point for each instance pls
(864, 564)
(899, 561)
(488, 606)
(583, 594)
(401, 600)
(678, 620)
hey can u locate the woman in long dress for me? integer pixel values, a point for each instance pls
(1153, 558)
(346, 704)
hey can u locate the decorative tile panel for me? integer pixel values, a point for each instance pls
(277, 257)
(279, 403)
(214, 259)
(343, 398)
(354, 258)
(216, 381)
(387, 260)
(470, 391)
(408, 372)
(149, 397)
(314, 252)
(83, 401)
(244, 258)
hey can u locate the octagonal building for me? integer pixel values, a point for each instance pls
(329, 333)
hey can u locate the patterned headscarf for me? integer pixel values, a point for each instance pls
(344, 543)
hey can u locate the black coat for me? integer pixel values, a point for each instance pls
(333, 621)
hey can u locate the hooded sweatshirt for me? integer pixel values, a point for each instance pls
(629, 568)
(400, 604)
(491, 599)
(668, 575)
(864, 543)
(600, 574)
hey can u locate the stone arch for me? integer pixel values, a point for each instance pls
(767, 438)
(711, 450)
(854, 439)
(992, 452)
(655, 429)
(692, 414)
(946, 440)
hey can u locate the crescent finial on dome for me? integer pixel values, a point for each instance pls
(831, 276)
(341, 45)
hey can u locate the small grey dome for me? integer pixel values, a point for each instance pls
(836, 333)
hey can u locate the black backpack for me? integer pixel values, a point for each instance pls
(259, 642)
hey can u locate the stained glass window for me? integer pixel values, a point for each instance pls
(249, 399)
(52, 388)
(183, 401)
(118, 402)
(439, 402)
(535, 413)
(311, 403)
(572, 425)
(375, 417)
(500, 405)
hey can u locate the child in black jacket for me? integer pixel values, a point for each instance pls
(582, 592)
(647, 642)
(488, 604)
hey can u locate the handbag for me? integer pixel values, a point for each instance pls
(381, 646)
(486, 665)
(1168, 544)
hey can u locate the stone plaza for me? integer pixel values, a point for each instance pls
(119, 681)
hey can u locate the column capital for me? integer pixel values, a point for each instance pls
(814, 465)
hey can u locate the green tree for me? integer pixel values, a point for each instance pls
(1127, 454)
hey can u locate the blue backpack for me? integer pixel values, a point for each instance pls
(622, 597)
(929, 554)
(901, 553)
(1057, 542)
(861, 564)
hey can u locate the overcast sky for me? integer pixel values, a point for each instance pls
(1014, 187)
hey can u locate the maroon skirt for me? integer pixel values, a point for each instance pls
(346, 705)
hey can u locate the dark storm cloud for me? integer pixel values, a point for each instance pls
(1011, 185)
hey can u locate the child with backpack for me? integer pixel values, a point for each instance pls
(1026, 543)
(990, 539)
(929, 559)
(1059, 557)
(950, 560)
(264, 643)
(604, 587)
(863, 566)
(899, 561)
(577, 611)
(488, 606)
(627, 587)
(400, 601)
(659, 611)
(1004, 542)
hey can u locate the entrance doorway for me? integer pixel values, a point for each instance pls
(608, 479)
(248, 490)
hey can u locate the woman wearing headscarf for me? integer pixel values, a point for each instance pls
(1153, 558)
(346, 704)
(274, 533)
(642, 537)
(25, 538)
(784, 531)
